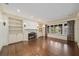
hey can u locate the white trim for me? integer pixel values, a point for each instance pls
(0, 48)
(78, 45)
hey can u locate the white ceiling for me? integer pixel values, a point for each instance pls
(44, 11)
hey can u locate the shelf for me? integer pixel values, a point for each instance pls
(15, 25)
(15, 32)
(30, 29)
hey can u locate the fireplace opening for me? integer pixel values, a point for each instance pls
(32, 36)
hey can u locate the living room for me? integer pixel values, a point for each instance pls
(39, 29)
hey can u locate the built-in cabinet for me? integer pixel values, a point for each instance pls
(15, 25)
(19, 29)
(15, 29)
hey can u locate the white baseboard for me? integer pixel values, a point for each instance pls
(25, 40)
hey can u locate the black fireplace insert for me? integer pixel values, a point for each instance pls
(32, 36)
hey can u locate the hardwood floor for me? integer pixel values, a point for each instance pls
(41, 47)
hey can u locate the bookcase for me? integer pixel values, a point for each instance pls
(15, 29)
(15, 25)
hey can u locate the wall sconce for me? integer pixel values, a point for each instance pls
(24, 25)
(4, 23)
(43, 25)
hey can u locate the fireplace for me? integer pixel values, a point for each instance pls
(32, 36)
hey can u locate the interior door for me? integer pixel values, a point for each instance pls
(46, 30)
(70, 36)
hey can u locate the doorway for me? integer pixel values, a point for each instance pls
(70, 36)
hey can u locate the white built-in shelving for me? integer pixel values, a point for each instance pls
(15, 25)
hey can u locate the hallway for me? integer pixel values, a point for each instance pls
(40, 47)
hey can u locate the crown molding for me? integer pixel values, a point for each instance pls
(74, 15)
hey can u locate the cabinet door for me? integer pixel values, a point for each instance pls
(19, 37)
(12, 38)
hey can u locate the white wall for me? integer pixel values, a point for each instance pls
(77, 31)
(3, 30)
(30, 24)
(1, 38)
(58, 36)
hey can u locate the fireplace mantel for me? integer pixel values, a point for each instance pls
(27, 31)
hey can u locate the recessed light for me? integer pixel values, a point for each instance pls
(18, 10)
